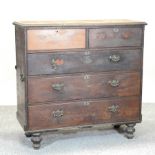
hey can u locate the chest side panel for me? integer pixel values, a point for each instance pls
(21, 76)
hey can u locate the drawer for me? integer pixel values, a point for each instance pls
(48, 116)
(48, 39)
(73, 62)
(115, 37)
(55, 88)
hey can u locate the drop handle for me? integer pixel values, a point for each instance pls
(113, 108)
(58, 86)
(58, 113)
(22, 77)
(53, 64)
(114, 83)
(56, 62)
(114, 58)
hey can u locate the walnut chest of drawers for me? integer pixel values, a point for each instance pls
(78, 74)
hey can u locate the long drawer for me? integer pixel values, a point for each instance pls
(55, 88)
(88, 61)
(48, 116)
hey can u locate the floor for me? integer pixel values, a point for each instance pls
(107, 142)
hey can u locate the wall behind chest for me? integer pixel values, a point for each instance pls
(69, 9)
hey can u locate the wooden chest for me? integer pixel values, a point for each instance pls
(78, 74)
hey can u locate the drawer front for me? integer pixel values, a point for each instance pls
(48, 39)
(115, 37)
(76, 62)
(48, 88)
(48, 116)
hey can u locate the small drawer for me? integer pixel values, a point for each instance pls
(49, 39)
(115, 37)
(88, 61)
(49, 116)
(61, 88)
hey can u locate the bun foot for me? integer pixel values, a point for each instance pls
(36, 140)
(129, 133)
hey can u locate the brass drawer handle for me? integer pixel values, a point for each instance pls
(58, 86)
(58, 113)
(114, 58)
(56, 62)
(22, 77)
(53, 64)
(113, 108)
(114, 83)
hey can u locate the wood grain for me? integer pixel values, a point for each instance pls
(82, 86)
(47, 39)
(20, 69)
(115, 37)
(77, 113)
(78, 62)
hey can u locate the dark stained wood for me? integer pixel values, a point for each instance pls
(130, 130)
(82, 86)
(79, 113)
(20, 68)
(36, 140)
(66, 80)
(115, 37)
(46, 39)
(74, 62)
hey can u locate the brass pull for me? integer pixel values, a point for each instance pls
(58, 113)
(113, 108)
(22, 78)
(56, 62)
(114, 58)
(114, 83)
(53, 64)
(58, 86)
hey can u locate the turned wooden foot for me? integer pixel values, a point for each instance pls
(36, 140)
(28, 134)
(129, 133)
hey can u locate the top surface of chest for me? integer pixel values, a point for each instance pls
(79, 22)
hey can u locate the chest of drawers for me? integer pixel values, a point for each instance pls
(78, 74)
